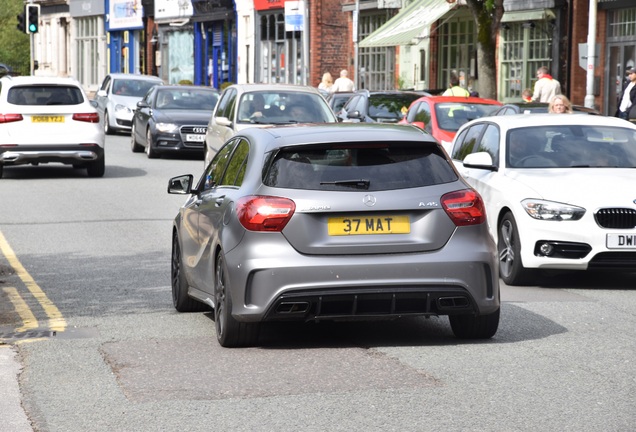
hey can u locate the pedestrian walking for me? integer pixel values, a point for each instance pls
(326, 83)
(560, 105)
(628, 98)
(455, 89)
(343, 84)
(546, 86)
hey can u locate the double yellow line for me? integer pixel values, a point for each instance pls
(56, 321)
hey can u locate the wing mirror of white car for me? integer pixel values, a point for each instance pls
(224, 121)
(480, 160)
(102, 93)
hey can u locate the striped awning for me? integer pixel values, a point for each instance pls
(409, 26)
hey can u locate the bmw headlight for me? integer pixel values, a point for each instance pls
(119, 108)
(550, 210)
(167, 127)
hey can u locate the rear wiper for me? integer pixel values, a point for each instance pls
(358, 184)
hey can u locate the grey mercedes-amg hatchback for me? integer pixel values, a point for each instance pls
(332, 222)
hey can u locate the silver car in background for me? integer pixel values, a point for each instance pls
(117, 99)
(332, 222)
(247, 105)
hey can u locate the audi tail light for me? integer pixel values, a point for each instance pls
(464, 207)
(264, 213)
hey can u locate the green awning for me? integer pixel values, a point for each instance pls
(409, 26)
(529, 15)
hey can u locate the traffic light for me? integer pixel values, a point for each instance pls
(22, 22)
(33, 18)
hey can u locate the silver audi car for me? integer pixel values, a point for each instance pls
(332, 222)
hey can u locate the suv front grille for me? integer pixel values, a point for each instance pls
(624, 218)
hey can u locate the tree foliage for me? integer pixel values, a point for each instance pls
(487, 14)
(14, 45)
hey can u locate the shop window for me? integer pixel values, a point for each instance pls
(524, 48)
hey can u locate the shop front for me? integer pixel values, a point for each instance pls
(124, 35)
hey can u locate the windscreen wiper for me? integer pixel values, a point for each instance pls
(356, 183)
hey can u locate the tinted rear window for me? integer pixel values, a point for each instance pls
(45, 95)
(372, 166)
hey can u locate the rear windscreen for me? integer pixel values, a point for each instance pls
(45, 95)
(371, 166)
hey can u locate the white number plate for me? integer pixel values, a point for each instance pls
(621, 241)
(195, 138)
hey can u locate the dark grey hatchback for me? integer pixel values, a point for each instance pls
(332, 222)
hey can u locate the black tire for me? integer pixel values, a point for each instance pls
(134, 145)
(1, 170)
(511, 269)
(475, 327)
(107, 129)
(180, 299)
(96, 168)
(229, 332)
(150, 151)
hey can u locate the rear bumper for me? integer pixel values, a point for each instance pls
(301, 287)
(72, 154)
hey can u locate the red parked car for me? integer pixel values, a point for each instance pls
(442, 116)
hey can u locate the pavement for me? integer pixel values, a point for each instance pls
(13, 416)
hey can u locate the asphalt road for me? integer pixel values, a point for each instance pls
(86, 319)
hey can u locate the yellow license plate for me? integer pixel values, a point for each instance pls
(365, 225)
(47, 119)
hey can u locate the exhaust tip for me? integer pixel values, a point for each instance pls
(292, 308)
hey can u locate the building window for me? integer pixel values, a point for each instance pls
(377, 64)
(280, 59)
(457, 50)
(524, 48)
(622, 23)
(87, 40)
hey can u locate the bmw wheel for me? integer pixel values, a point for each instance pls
(150, 151)
(511, 267)
(180, 299)
(229, 332)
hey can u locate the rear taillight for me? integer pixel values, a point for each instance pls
(86, 117)
(264, 213)
(464, 207)
(9, 118)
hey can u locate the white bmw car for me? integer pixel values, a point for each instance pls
(559, 190)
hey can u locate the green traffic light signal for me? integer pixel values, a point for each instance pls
(33, 18)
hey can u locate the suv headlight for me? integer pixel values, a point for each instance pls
(167, 127)
(550, 210)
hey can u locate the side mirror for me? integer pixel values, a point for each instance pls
(142, 104)
(354, 114)
(102, 93)
(224, 121)
(480, 160)
(181, 185)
